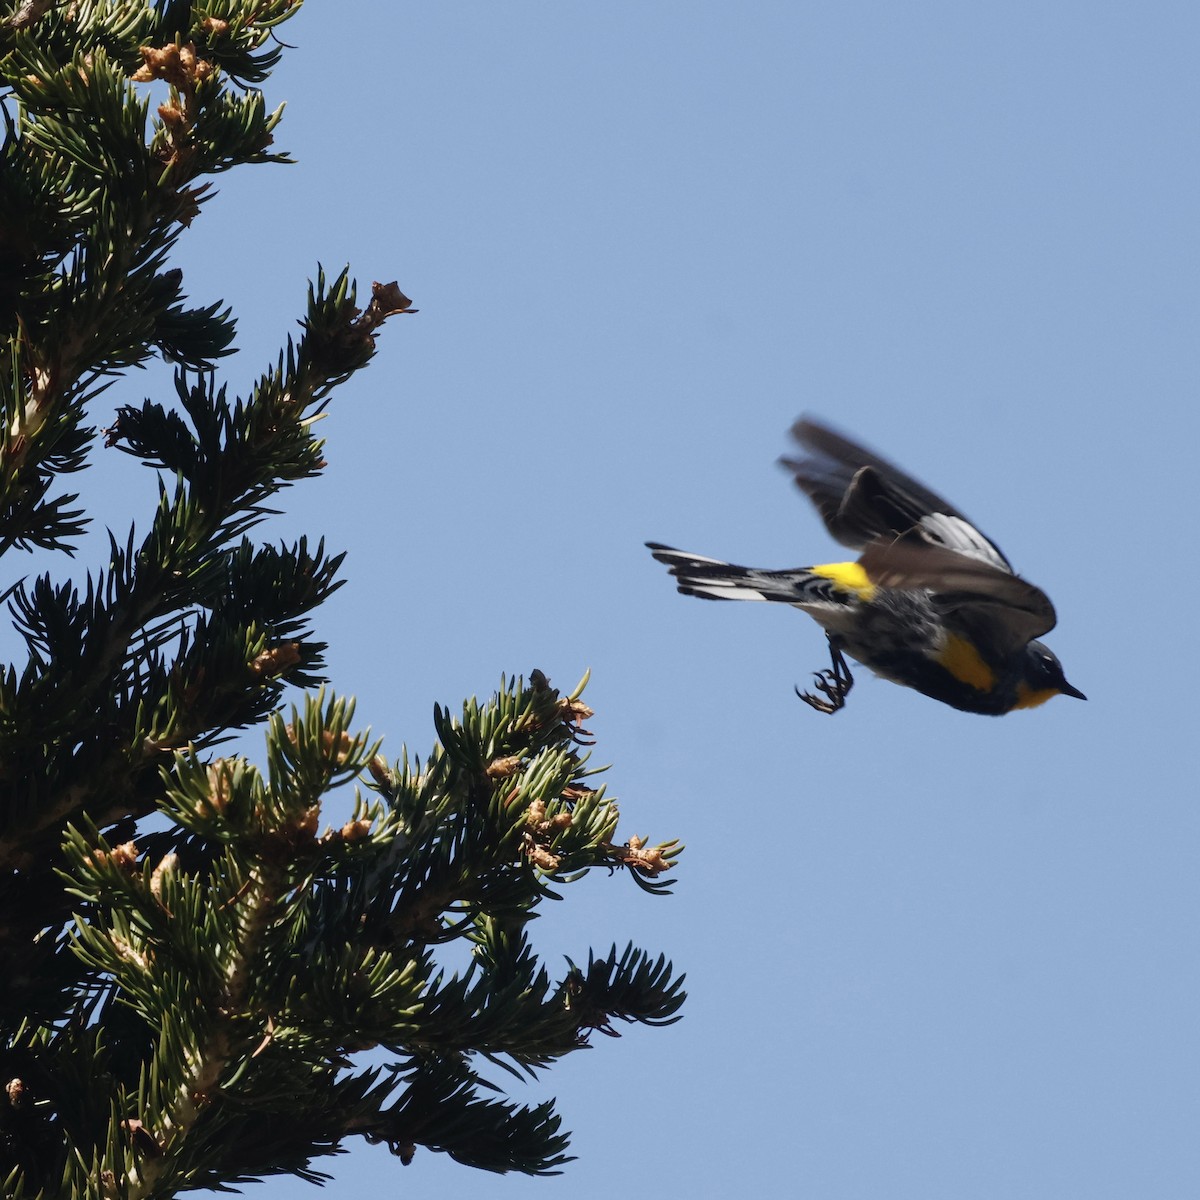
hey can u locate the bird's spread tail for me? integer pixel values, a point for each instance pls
(712, 579)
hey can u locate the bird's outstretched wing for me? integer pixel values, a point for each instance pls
(863, 498)
(912, 538)
(999, 607)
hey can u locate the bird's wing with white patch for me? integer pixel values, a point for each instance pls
(957, 533)
(862, 497)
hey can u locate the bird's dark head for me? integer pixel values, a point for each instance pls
(1042, 678)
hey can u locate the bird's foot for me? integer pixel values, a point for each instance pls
(833, 683)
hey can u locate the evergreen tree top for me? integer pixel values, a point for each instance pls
(196, 951)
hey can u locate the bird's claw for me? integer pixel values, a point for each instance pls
(834, 684)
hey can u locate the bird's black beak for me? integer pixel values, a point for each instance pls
(1067, 690)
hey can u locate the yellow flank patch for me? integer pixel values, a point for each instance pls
(963, 661)
(1028, 697)
(848, 576)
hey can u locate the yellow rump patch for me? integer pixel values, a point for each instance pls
(847, 575)
(964, 662)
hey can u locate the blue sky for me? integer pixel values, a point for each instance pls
(930, 955)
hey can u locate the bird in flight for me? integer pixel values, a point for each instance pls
(930, 603)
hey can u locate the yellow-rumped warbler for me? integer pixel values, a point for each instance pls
(931, 603)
